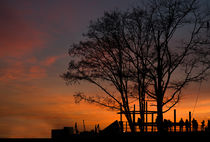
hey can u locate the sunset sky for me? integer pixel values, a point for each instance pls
(35, 36)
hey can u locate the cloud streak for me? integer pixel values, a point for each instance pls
(22, 69)
(18, 35)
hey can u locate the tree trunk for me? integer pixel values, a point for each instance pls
(130, 123)
(141, 117)
(160, 126)
(159, 91)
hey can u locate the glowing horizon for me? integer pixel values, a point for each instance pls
(34, 42)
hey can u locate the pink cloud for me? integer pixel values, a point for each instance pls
(18, 36)
(50, 60)
(26, 69)
(36, 72)
(19, 70)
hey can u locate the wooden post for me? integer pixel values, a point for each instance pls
(146, 116)
(190, 121)
(134, 113)
(144, 119)
(152, 121)
(134, 122)
(174, 120)
(84, 125)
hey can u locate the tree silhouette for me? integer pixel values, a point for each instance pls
(101, 61)
(154, 52)
(176, 60)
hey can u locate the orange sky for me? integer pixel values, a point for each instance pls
(34, 41)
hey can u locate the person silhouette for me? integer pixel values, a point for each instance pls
(208, 126)
(140, 124)
(187, 125)
(165, 124)
(76, 129)
(181, 125)
(203, 125)
(170, 124)
(194, 125)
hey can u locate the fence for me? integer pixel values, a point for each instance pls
(146, 126)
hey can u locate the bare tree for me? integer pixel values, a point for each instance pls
(179, 53)
(155, 52)
(101, 61)
(136, 37)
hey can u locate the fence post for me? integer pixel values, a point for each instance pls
(134, 121)
(146, 116)
(152, 121)
(190, 121)
(174, 120)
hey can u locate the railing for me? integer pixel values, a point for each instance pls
(152, 127)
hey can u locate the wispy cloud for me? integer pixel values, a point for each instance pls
(21, 71)
(19, 36)
(26, 69)
(50, 60)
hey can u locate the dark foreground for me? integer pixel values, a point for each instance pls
(154, 136)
